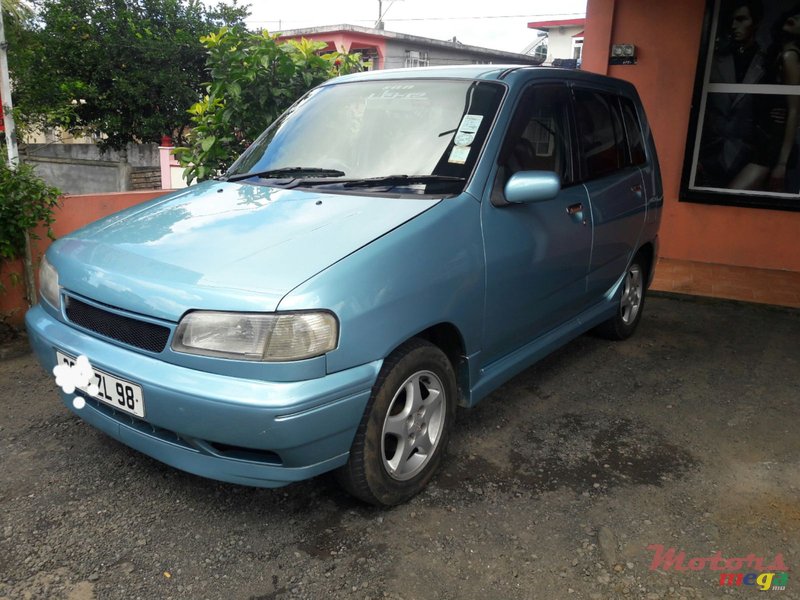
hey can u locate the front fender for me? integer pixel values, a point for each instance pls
(427, 271)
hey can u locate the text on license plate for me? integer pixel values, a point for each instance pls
(122, 395)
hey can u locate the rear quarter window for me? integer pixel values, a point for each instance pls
(633, 129)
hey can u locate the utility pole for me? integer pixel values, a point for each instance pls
(13, 151)
(382, 13)
(5, 95)
(379, 22)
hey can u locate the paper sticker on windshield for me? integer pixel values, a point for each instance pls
(459, 154)
(467, 130)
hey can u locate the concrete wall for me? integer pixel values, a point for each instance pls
(667, 37)
(84, 169)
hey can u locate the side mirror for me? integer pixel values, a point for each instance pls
(532, 186)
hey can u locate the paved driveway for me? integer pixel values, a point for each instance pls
(685, 436)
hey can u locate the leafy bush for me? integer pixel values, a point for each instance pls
(254, 78)
(25, 202)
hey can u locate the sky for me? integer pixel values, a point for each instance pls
(497, 24)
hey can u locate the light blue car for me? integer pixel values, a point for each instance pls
(397, 244)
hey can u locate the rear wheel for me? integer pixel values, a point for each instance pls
(631, 303)
(405, 428)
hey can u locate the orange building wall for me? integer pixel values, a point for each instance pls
(667, 37)
(73, 213)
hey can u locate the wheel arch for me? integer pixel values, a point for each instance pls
(447, 337)
(648, 253)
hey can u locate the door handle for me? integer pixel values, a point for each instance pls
(574, 209)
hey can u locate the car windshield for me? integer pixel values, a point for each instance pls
(415, 136)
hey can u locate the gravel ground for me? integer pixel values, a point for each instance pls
(685, 436)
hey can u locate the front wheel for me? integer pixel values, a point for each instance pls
(403, 434)
(631, 303)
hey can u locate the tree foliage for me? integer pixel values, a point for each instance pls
(15, 9)
(124, 70)
(25, 202)
(254, 78)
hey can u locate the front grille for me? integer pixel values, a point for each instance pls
(140, 334)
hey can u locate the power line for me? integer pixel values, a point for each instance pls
(485, 17)
(399, 19)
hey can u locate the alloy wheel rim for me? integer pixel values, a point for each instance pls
(632, 293)
(413, 425)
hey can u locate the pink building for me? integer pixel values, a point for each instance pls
(383, 49)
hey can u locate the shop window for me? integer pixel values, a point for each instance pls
(743, 142)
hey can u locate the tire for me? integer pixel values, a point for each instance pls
(631, 303)
(405, 428)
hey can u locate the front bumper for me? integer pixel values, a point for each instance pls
(245, 431)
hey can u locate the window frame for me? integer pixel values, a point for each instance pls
(415, 59)
(577, 48)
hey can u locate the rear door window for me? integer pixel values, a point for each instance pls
(601, 132)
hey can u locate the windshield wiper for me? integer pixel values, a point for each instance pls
(289, 172)
(393, 180)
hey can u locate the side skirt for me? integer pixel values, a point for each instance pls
(497, 373)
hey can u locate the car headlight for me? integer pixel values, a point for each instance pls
(257, 336)
(48, 283)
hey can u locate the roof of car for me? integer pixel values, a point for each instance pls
(483, 72)
(454, 71)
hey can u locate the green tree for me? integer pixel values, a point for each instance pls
(254, 78)
(16, 9)
(124, 70)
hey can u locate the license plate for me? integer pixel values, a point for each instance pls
(122, 395)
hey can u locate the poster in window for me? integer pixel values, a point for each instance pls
(743, 142)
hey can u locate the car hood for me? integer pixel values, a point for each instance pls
(221, 246)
